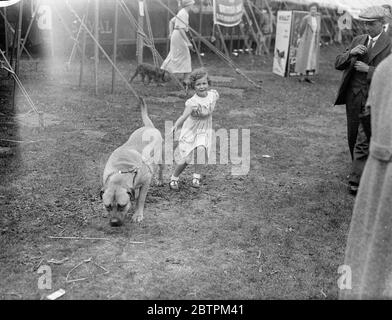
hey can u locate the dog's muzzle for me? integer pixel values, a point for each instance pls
(115, 222)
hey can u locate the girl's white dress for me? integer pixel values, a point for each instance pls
(197, 131)
(179, 58)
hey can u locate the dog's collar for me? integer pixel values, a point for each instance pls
(133, 170)
(121, 172)
(128, 171)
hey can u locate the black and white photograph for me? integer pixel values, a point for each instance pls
(222, 151)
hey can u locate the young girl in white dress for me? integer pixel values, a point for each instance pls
(196, 133)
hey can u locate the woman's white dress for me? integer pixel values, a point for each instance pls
(179, 58)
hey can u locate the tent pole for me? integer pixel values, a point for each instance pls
(139, 47)
(167, 32)
(115, 43)
(29, 28)
(96, 52)
(5, 30)
(104, 53)
(200, 24)
(83, 49)
(18, 51)
(75, 45)
(18, 37)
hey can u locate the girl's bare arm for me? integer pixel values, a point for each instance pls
(187, 112)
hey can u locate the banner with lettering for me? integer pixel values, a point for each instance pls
(228, 13)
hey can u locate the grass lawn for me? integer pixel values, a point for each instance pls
(278, 232)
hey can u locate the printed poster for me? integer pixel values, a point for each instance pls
(282, 41)
(228, 13)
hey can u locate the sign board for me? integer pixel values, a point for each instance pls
(141, 8)
(297, 44)
(44, 17)
(228, 13)
(282, 42)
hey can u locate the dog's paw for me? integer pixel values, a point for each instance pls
(159, 183)
(137, 218)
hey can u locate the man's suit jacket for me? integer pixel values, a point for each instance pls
(389, 31)
(345, 62)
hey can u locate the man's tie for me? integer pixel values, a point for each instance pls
(370, 44)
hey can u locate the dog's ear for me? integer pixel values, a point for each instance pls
(101, 193)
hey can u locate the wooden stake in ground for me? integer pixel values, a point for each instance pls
(96, 51)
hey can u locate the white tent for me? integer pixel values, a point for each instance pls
(352, 6)
(7, 3)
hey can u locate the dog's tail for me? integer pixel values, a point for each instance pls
(146, 119)
(134, 75)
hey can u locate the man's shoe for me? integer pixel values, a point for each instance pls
(352, 189)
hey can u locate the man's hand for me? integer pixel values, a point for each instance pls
(358, 50)
(361, 66)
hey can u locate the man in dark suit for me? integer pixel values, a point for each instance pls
(358, 63)
(388, 20)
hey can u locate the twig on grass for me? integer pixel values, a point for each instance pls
(75, 267)
(54, 261)
(104, 269)
(113, 295)
(125, 261)
(75, 280)
(67, 280)
(40, 262)
(12, 294)
(19, 141)
(78, 238)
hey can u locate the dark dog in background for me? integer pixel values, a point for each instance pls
(146, 70)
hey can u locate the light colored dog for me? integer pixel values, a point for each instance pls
(129, 171)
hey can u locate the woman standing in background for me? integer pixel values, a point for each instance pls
(179, 58)
(308, 47)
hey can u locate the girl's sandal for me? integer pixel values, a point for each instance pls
(196, 182)
(173, 184)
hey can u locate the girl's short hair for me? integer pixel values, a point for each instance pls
(314, 4)
(196, 75)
